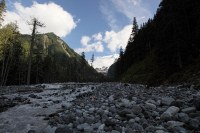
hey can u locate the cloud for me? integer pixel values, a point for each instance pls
(133, 8)
(97, 37)
(85, 40)
(93, 44)
(104, 61)
(128, 8)
(55, 18)
(109, 14)
(115, 40)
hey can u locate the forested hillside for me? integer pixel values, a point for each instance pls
(165, 49)
(53, 60)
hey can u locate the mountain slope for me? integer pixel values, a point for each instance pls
(53, 61)
(166, 48)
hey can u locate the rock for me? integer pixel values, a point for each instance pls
(160, 131)
(111, 98)
(197, 103)
(68, 119)
(65, 129)
(189, 110)
(101, 127)
(136, 109)
(150, 106)
(110, 122)
(31, 131)
(194, 123)
(124, 112)
(150, 129)
(90, 119)
(84, 127)
(172, 124)
(178, 130)
(79, 112)
(183, 117)
(114, 131)
(91, 110)
(130, 116)
(53, 114)
(66, 105)
(137, 128)
(178, 103)
(33, 96)
(49, 129)
(169, 113)
(125, 103)
(167, 100)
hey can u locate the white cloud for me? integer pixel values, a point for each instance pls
(129, 8)
(55, 18)
(98, 37)
(109, 15)
(115, 40)
(104, 61)
(85, 40)
(133, 8)
(87, 46)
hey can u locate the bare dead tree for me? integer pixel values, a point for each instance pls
(35, 23)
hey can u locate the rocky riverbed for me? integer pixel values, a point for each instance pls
(99, 108)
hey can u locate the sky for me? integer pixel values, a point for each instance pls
(98, 27)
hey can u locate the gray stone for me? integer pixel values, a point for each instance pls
(125, 103)
(160, 131)
(32, 96)
(111, 98)
(150, 129)
(65, 129)
(83, 127)
(167, 100)
(136, 109)
(197, 103)
(194, 123)
(150, 106)
(137, 127)
(90, 119)
(110, 122)
(178, 130)
(189, 110)
(172, 124)
(66, 105)
(114, 131)
(124, 112)
(183, 117)
(49, 129)
(101, 127)
(91, 110)
(31, 131)
(170, 112)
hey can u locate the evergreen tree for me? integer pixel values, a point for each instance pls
(92, 59)
(83, 55)
(35, 23)
(134, 30)
(121, 52)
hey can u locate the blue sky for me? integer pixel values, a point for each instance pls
(93, 26)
